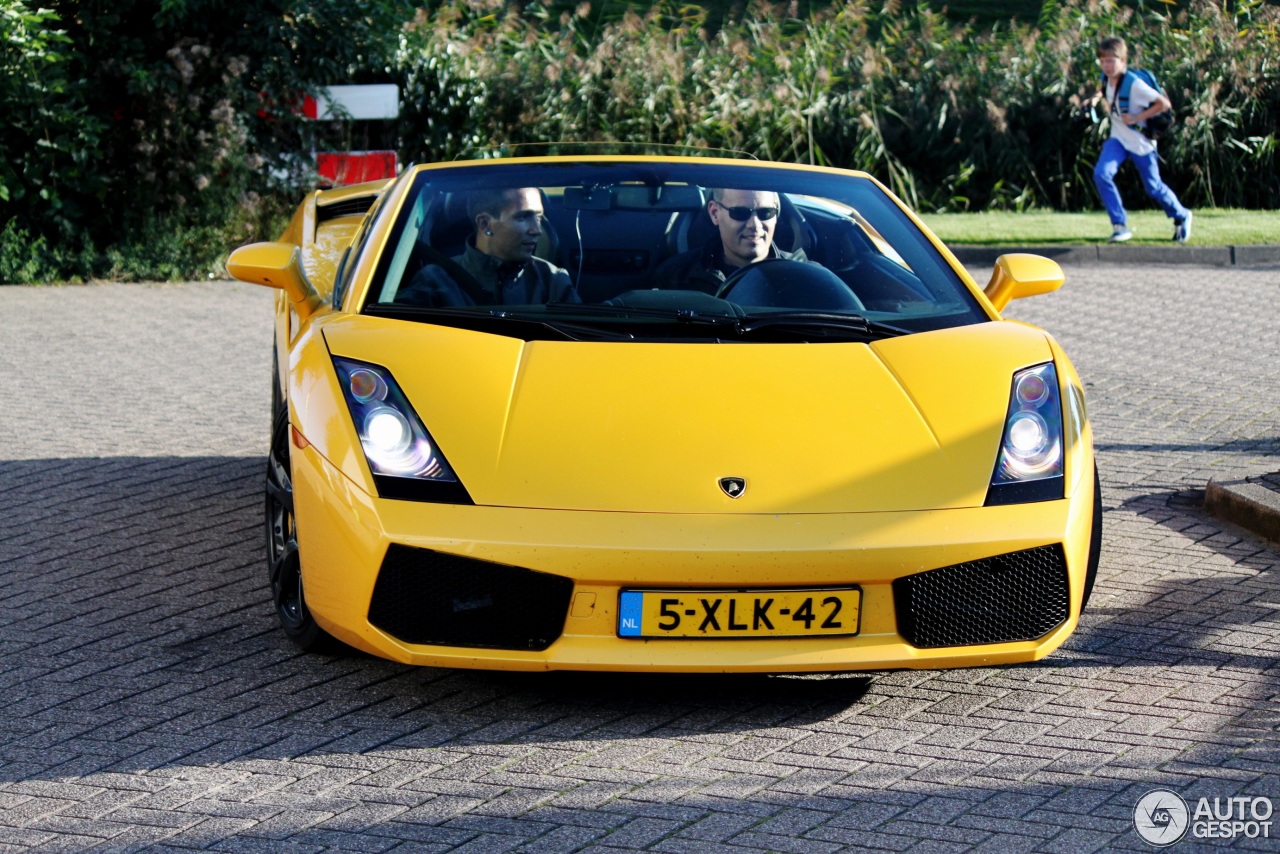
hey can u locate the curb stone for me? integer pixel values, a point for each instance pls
(1107, 253)
(1252, 503)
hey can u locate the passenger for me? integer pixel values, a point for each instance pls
(745, 222)
(498, 265)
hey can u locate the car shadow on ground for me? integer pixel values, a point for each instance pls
(134, 595)
(154, 568)
(1227, 580)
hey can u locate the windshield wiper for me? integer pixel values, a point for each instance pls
(805, 324)
(790, 325)
(818, 322)
(679, 315)
(499, 322)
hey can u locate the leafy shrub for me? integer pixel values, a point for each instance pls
(46, 177)
(153, 130)
(27, 259)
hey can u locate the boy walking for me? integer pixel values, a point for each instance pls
(1127, 142)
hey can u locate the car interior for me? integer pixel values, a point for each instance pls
(612, 239)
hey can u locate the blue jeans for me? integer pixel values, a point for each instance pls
(1104, 177)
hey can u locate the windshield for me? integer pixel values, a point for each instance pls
(640, 249)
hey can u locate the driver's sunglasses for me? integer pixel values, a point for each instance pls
(744, 213)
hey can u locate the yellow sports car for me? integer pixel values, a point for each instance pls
(666, 414)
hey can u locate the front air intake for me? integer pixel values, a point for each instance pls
(1012, 597)
(428, 597)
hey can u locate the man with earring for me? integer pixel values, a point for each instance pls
(499, 265)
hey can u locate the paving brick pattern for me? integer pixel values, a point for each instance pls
(148, 703)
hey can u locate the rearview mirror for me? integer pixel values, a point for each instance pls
(1020, 275)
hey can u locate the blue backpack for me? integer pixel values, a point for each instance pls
(1159, 124)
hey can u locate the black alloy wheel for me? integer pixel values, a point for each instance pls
(285, 569)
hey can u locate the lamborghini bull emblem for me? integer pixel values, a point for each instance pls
(733, 486)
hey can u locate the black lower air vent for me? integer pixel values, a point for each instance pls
(1012, 597)
(429, 597)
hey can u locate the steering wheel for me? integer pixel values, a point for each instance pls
(784, 283)
(722, 292)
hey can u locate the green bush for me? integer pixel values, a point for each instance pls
(27, 260)
(154, 129)
(47, 179)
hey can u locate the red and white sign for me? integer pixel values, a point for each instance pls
(361, 103)
(374, 101)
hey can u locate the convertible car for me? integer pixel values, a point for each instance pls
(664, 414)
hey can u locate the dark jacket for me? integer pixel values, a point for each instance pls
(705, 269)
(532, 282)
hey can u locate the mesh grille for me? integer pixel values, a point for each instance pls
(1012, 597)
(428, 597)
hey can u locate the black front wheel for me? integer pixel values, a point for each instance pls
(284, 567)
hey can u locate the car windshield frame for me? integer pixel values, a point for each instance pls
(624, 214)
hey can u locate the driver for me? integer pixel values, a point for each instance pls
(745, 221)
(498, 265)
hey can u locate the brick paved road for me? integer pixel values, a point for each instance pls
(147, 701)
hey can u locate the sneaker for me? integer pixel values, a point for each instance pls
(1120, 233)
(1182, 230)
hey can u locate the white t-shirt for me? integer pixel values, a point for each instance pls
(1141, 96)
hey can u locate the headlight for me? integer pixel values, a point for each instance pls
(1029, 466)
(388, 440)
(394, 441)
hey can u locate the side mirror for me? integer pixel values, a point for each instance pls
(275, 265)
(1018, 275)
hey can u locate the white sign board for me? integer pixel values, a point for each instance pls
(374, 101)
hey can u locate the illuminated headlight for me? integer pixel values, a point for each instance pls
(1029, 467)
(388, 437)
(1031, 447)
(394, 441)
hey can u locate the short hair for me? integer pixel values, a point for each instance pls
(717, 194)
(486, 201)
(1113, 46)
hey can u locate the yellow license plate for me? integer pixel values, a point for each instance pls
(738, 613)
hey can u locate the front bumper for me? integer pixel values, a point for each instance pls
(345, 536)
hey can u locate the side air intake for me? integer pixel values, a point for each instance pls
(428, 597)
(1012, 597)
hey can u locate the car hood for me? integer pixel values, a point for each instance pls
(905, 423)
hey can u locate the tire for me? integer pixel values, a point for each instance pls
(1095, 541)
(284, 569)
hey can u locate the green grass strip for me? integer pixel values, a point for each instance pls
(1210, 227)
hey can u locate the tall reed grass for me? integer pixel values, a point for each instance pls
(951, 117)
